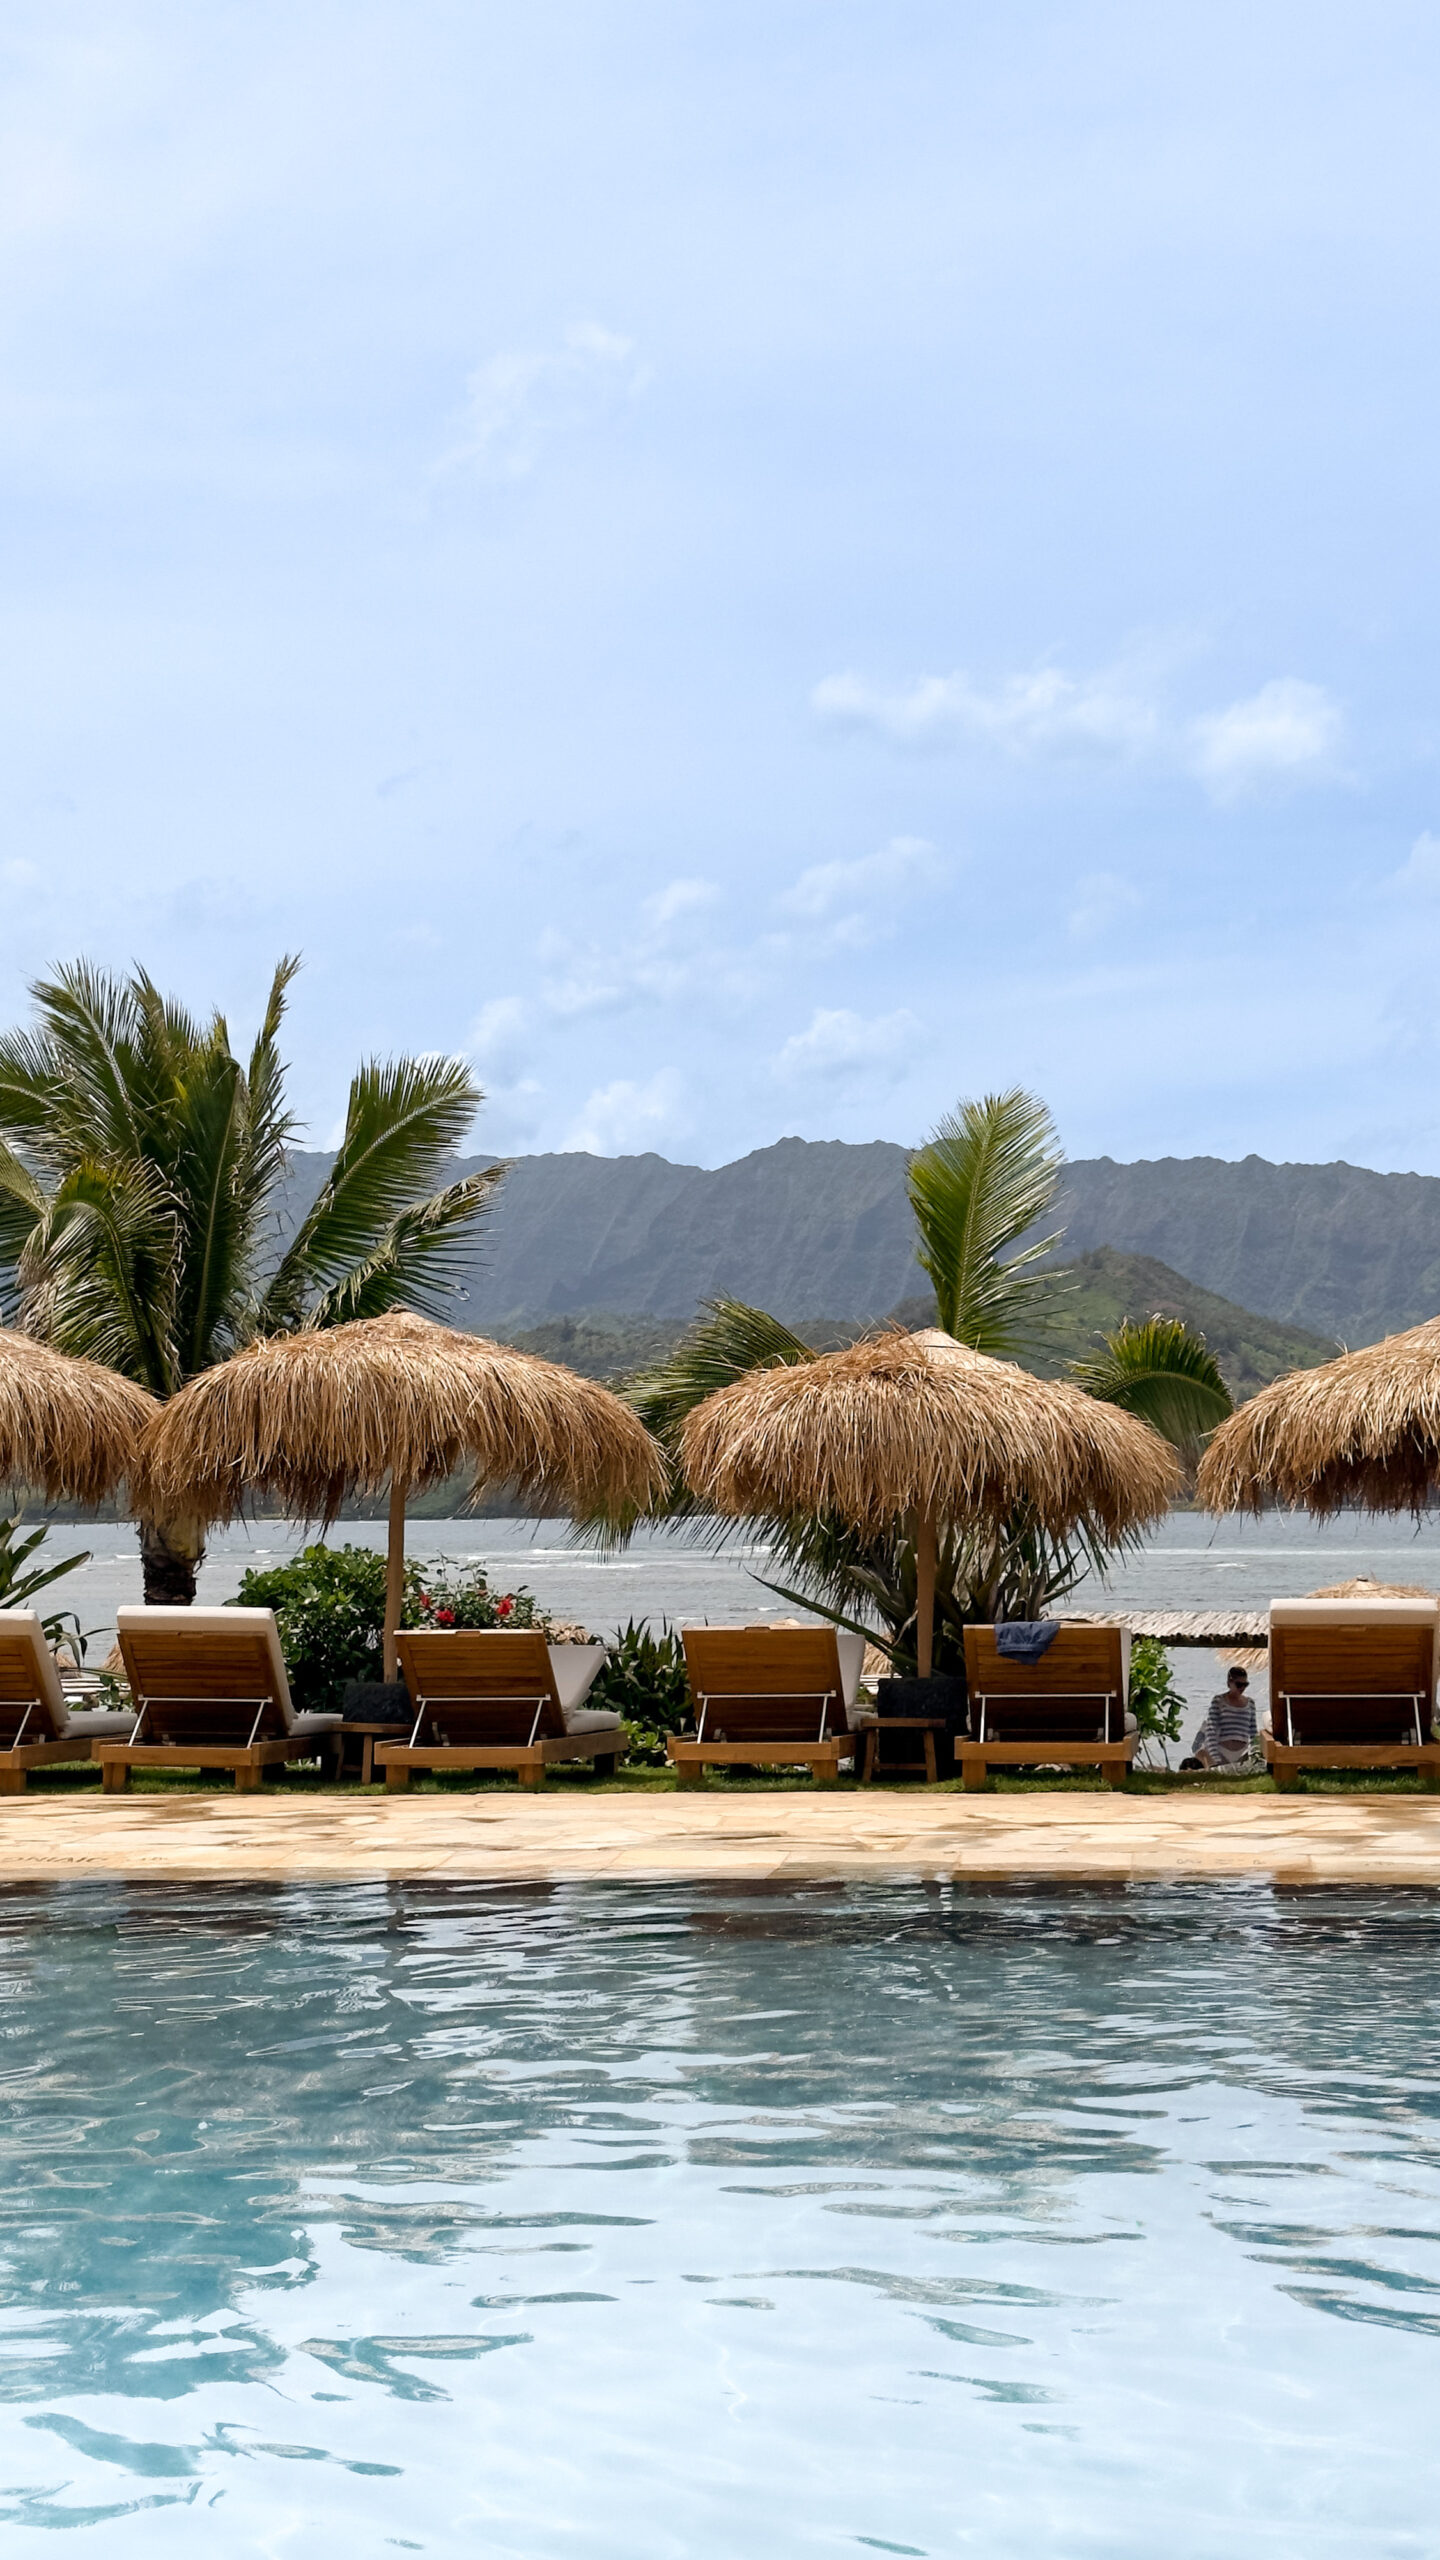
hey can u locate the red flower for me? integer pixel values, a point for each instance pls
(503, 1608)
(444, 1617)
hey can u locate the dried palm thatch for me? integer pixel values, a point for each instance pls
(912, 1424)
(68, 1427)
(915, 1427)
(1363, 1586)
(393, 1400)
(1361, 1433)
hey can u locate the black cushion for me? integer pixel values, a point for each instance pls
(377, 1702)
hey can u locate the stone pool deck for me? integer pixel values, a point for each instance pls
(506, 1838)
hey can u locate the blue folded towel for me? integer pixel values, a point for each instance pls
(1025, 1639)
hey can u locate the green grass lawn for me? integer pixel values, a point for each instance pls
(71, 1778)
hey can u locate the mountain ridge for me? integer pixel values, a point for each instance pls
(1338, 1250)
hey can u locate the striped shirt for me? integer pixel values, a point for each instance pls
(1229, 1728)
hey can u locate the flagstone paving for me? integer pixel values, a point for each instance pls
(500, 1838)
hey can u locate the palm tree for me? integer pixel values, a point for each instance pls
(979, 1188)
(141, 1173)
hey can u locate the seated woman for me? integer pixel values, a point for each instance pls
(1226, 1739)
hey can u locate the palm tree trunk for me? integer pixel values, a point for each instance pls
(171, 1554)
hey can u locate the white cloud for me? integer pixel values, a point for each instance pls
(1287, 732)
(18, 874)
(499, 1035)
(906, 864)
(621, 1118)
(1421, 867)
(681, 898)
(1101, 898)
(841, 1044)
(1043, 711)
(522, 398)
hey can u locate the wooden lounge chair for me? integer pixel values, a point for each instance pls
(490, 1698)
(1352, 1686)
(768, 1697)
(1068, 1706)
(209, 1692)
(38, 1725)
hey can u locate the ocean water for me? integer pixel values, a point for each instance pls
(679, 2224)
(1190, 1562)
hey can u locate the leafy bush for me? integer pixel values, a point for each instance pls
(19, 1587)
(444, 1595)
(1155, 1702)
(644, 1681)
(329, 1605)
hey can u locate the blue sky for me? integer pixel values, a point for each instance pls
(753, 569)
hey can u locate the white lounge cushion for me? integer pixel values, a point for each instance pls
(851, 1650)
(101, 1724)
(305, 1725)
(1358, 1612)
(25, 1625)
(592, 1720)
(574, 1668)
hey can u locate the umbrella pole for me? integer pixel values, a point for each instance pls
(394, 1573)
(924, 1593)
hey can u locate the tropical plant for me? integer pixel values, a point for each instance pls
(985, 1178)
(18, 1588)
(329, 1605)
(1163, 1372)
(1154, 1701)
(979, 1187)
(141, 1175)
(439, 1594)
(644, 1681)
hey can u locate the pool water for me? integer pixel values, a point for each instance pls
(677, 2221)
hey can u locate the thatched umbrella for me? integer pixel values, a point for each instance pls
(913, 1427)
(394, 1401)
(1361, 1433)
(69, 1427)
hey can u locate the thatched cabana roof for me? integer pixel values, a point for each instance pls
(70, 1428)
(395, 1400)
(913, 1424)
(1361, 1433)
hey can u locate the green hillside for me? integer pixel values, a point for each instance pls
(1102, 1289)
(1105, 1288)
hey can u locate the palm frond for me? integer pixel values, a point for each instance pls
(405, 1121)
(1162, 1372)
(420, 1260)
(977, 1186)
(99, 1272)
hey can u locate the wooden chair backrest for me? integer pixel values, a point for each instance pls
(1351, 1681)
(27, 1696)
(481, 1686)
(765, 1684)
(1061, 1698)
(201, 1684)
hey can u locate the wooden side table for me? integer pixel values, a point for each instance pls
(926, 1726)
(369, 1735)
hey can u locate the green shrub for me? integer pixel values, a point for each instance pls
(644, 1681)
(1154, 1701)
(445, 1595)
(329, 1605)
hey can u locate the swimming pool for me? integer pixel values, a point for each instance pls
(692, 2222)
